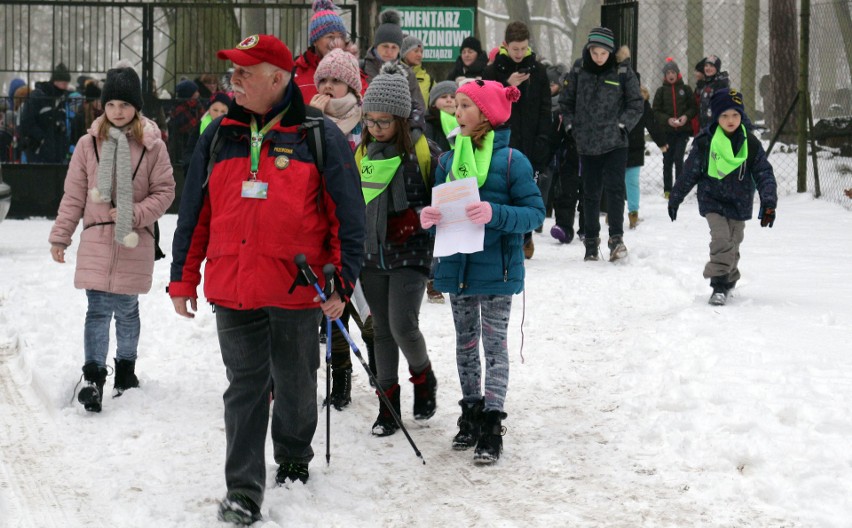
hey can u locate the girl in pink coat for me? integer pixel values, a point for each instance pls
(119, 183)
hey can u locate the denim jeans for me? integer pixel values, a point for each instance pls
(102, 307)
(260, 346)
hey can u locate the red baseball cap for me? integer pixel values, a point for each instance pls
(259, 48)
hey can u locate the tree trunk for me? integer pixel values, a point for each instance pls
(590, 17)
(783, 64)
(748, 72)
(844, 21)
(518, 11)
(694, 35)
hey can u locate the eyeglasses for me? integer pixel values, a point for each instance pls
(383, 124)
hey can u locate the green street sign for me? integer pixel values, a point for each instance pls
(442, 29)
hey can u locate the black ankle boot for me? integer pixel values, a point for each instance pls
(385, 425)
(470, 423)
(341, 387)
(592, 245)
(490, 442)
(125, 376)
(425, 387)
(91, 395)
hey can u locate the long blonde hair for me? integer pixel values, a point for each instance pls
(136, 127)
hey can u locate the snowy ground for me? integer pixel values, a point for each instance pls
(638, 404)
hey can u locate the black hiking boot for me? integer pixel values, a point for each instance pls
(291, 472)
(425, 386)
(236, 508)
(92, 392)
(385, 425)
(592, 245)
(470, 423)
(341, 388)
(490, 442)
(617, 249)
(125, 376)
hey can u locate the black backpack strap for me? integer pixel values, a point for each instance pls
(215, 147)
(314, 127)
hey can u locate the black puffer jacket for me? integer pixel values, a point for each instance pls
(600, 104)
(674, 100)
(44, 124)
(530, 120)
(705, 91)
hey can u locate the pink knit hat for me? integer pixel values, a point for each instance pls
(339, 64)
(492, 98)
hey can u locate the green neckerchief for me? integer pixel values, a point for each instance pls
(376, 175)
(468, 161)
(257, 138)
(448, 124)
(722, 158)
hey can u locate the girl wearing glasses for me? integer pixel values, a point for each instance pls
(396, 165)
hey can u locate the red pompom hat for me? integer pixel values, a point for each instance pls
(492, 98)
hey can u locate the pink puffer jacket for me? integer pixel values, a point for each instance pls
(102, 263)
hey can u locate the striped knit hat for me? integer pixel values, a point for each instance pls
(602, 37)
(324, 21)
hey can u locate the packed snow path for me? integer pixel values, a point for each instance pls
(637, 403)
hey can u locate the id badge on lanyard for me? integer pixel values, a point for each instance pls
(253, 188)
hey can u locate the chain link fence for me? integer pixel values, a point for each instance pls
(690, 30)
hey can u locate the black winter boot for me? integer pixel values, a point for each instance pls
(425, 386)
(490, 438)
(291, 472)
(385, 425)
(470, 423)
(720, 291)
(592, 245)
(92, 392)
(617, 249)
(236, 508)
(341, 387)
(125, 376)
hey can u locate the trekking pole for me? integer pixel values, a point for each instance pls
(307, 277)
(329, 289)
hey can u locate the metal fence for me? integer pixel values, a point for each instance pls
(667, 28)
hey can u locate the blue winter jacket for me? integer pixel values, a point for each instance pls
(517, 208)
(733, 195)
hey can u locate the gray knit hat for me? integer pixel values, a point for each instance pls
(602, 37)
(388, 92)
(409, 43)
(440, 89)
(390, 28)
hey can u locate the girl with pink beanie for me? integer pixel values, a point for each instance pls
(481, 284)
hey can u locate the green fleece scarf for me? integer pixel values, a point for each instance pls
(469, 161)
(448, 124)
(376, 175)
(723, 161)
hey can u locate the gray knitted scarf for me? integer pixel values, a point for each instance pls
(393, 199)
(115, 160)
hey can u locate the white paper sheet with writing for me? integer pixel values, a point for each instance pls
(455, 233)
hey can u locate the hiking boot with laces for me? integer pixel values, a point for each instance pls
(591, 245)
(341, 388)
(385, 425)
(291, 472)
(236, 508)
(617, 249)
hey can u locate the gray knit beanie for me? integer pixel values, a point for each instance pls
(389, 92)
(440, 89)
(390, 28)
(409, 43)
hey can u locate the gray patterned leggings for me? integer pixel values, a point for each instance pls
(492, 326)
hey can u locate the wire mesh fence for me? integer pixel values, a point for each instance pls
(738, 33)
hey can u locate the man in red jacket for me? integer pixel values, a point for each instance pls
(263, 203)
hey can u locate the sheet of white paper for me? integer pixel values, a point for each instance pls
(456, 233)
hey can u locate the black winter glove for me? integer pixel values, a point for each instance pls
(767, 217)
(673, 212)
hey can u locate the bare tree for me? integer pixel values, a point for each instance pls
(844, 20)
(518, 11)
(695, 32)
(783, 63)
(748, 71)
(590, 16)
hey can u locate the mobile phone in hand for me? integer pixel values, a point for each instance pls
(524, 70)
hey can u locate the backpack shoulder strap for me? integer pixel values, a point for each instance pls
(98, 158)
(314, 127)
(215, 147)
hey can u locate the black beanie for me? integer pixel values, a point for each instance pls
(473, 43)
(122, 84)
(60, 73)
(91, 91)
